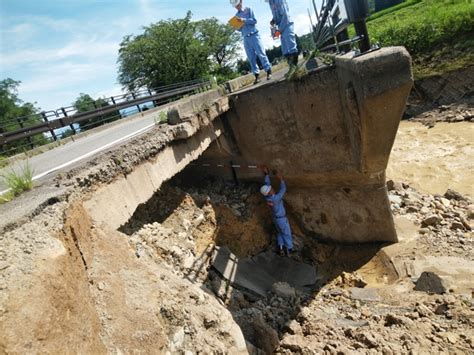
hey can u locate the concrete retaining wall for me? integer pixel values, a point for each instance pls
(330, 134)
(113, 204)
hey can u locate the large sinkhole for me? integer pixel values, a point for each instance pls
(220, 234)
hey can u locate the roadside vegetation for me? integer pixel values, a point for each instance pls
(177, 50)
(16, 114)
(17, 181)
(3, 161)
(438, 34)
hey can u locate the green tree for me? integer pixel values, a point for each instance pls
(14, 113)
(222, 43)
(167, 52)
(274, 54)
(305, 42)
(243, 66)
(85, 103)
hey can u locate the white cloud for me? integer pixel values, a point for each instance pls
(116, 90)
(62, 76)
(20, 32)
(79, 50)
(145, 6)
(56, 24)
(302, 24)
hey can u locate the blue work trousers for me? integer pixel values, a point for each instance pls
(253, 48)
(288, 41)
(284, 238)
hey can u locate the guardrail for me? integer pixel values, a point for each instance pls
(333, 19)
(68, 116)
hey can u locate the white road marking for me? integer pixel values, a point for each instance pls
(128, 136)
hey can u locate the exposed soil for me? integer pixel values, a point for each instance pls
(360, 304)
(69, 286)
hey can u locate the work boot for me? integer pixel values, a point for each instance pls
(280, 251)
(288, 252)
(294, 59)
(269, 74)
(292, 65)
(257, 79)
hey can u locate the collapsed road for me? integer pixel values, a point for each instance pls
(120, 252)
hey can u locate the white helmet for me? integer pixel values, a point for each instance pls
(265, 189)
(234, 3)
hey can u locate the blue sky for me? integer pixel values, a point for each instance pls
(61, 48)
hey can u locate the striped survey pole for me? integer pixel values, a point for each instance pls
(230, 165)
(233, 167)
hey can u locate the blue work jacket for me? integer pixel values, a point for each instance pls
(276, 201)
(281, 13)
(248, 16)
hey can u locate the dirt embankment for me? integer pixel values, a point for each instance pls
(452, 88)
(361, 303)
(45, 303)
(68, 285)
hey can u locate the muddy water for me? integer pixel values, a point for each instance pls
(434, 159)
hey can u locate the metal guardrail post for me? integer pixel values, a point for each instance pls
(357, 12)
(361, 30)
(71, 125)
(155, 103)
(28, 138)
(134, 97)
(45, 119)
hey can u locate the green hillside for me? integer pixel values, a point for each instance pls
(439, 34)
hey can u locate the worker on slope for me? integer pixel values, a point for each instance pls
(252, 42)
(275, 202)
(281, 17)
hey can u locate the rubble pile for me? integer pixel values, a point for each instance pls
(444, 221)
(345, 314)
(446, 113)
(400, 322)
(183, 240)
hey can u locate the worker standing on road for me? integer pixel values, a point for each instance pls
(281, 17)
(252, 42)
(275, 201)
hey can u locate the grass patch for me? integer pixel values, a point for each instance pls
(161, 118)
(437, 33)
(458, 55)
(3, 161)
(389, 10)
(424, 26)
(6, 197)
(18, 182)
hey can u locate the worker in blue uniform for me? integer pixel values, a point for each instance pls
(275, 202)
(252, 42)
(281, 17)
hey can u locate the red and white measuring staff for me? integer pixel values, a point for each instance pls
(235, 166)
